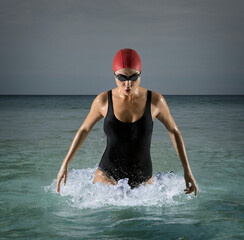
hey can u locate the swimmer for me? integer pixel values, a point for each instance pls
(129, 111)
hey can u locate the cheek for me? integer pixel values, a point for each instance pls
(119, 83)
(136, 83)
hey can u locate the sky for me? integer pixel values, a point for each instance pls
(187, 47)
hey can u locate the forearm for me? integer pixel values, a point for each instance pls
(172, 136)
(76, 144)
(180, 149)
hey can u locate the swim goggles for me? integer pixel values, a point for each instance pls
(122, 77)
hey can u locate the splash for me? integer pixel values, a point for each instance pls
(167, 190)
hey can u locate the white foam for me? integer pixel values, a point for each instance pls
(167, 190)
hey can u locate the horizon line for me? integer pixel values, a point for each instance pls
(96, 94)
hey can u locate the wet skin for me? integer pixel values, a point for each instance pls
(128, 107)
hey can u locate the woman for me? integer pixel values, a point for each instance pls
(129, 111)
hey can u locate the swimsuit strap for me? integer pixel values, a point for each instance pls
(148, 105)
(110, 103)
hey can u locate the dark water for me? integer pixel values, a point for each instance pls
(36, 133)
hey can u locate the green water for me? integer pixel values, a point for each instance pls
(36, 133)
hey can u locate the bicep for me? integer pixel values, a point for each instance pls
(165, 116)
(93, 116)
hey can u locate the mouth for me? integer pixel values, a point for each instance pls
(128, 90)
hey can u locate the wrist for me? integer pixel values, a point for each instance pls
(65, 164)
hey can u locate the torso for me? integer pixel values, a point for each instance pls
(128, 126)
(129, 111)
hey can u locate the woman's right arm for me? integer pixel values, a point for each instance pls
(93, 116)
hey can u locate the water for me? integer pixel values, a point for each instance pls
(36, 133)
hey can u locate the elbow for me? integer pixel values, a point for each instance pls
(84, 129)
(175, 131)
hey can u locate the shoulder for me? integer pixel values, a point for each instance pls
(159, 106)
(100, 103)
(162, 112)
(158, 100)
(101, 98)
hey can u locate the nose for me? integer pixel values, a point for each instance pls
(128, 83)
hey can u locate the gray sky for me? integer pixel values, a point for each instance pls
(67, 47)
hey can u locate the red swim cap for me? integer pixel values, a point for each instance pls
(127, 58)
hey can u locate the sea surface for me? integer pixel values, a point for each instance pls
(37, 131)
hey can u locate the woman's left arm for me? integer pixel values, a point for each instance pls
(164, 116)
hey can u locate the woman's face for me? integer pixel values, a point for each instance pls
(127, 87)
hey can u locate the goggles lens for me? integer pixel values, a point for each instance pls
(122, 77)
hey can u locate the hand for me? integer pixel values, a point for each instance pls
(190, 179)
(63, 173)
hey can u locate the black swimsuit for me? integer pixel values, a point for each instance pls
(127, 154)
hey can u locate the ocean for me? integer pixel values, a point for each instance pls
(36, 133)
